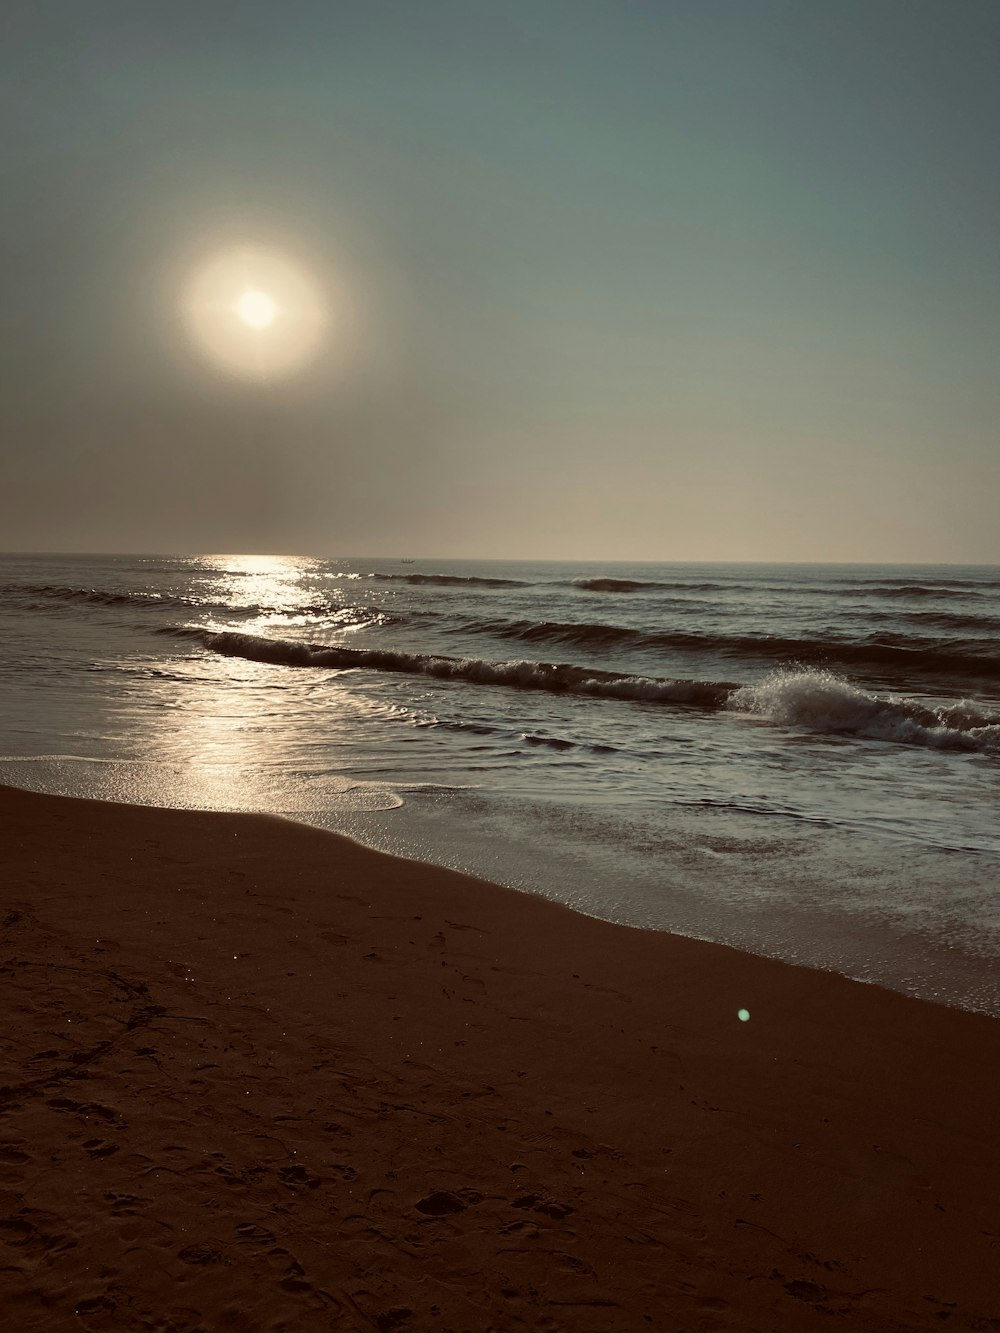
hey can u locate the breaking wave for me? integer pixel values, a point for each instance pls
(812, 700)
(524, 675)
(820, 701)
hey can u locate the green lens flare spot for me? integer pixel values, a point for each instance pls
(743, 1015)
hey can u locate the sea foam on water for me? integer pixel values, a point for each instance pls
(822, 701)
(628, 738)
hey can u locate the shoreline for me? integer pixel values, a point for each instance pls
(942, 972)
(259, 1076)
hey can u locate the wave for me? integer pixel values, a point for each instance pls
(525, 675)
(549, 631)
(560, 743)
(453, 580)
(913, 654)
(914, 590)
(335, 614)
(534, 738)
(104, 597)
(820, 701)
(640, 585)
(585, 584)
(956, 621)
(813, 700)
(845, 591)
(913, 581)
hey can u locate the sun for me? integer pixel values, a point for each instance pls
(256, 309)
(257, 313)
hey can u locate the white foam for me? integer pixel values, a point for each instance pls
(821, 701)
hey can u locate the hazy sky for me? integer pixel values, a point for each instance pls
(693, 279)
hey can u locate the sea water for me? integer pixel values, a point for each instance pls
(801, 761)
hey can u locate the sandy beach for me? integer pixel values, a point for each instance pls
(256, 1077)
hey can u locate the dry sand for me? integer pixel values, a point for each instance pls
(256, 1077)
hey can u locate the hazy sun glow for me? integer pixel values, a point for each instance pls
(256, 309)
(254, 313)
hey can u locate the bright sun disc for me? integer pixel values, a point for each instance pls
(256, 309)
(255, 313)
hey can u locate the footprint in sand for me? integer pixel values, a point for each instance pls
(341, 1171)
(85, 1110)
(201, 1254)
(95, 1307)
(443, 1202)
(572, 1264)
(251, 1231)
(538, 1204)
(294, 1176)
(803, 1290)
(100, 1147)
(122, 1205)
(390, 1320)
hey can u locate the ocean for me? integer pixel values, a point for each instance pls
(802, 761)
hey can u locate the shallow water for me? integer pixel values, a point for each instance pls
(803, 761)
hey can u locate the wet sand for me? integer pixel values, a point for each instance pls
(256, 1077)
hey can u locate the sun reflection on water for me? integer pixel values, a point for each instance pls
(222, 733)
(205, 731)
(281, 583)
(246, 739)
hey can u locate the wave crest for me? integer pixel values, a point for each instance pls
(963, 657)
(820, 701)
(812, 700)
(525, 675)
(452, 580)
(145, 601)
(102, 596)
(639, 585)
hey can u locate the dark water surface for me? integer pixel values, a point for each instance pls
(803, 761)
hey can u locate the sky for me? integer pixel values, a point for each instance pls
(684, 280)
